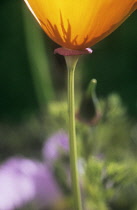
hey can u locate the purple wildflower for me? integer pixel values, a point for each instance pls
(23, 180)
(55, 146)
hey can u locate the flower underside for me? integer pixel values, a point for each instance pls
(72, 31)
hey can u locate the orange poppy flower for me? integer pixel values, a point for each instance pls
(78, 24)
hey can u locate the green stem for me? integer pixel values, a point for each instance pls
(71, 64)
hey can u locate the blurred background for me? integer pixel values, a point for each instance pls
(33, 94)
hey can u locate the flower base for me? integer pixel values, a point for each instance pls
(69, 52)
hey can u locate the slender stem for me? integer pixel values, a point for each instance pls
(71, 64)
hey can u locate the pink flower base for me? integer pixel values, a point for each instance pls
(69, 52)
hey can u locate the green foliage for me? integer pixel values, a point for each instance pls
(95, 198)
(112, 136)
(111, 185)
(111, 171)
(110, 179)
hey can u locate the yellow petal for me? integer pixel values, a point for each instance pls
(77, 24)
